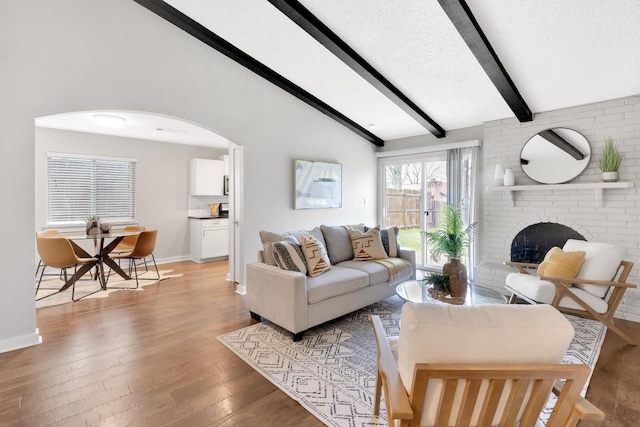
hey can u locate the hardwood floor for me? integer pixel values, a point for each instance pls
(151, 358)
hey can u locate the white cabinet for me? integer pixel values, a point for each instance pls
(206, 177)
(209, 238)
(225, 159)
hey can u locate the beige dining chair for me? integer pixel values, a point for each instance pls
(42, 234)
(128, 242)
(57, 252)
(144, 247)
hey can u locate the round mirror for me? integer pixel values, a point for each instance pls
(554, 156)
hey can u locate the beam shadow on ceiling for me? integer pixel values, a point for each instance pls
(466, 24)
(319, 31)
(185, 23)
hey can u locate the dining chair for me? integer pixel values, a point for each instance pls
(128, 242)
(45, 233)
(490, 365)
(144, 247)
(57, 252)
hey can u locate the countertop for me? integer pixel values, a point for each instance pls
(207, 217)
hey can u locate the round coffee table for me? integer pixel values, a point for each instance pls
(415, 291)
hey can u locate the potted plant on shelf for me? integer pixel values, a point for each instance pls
(610, 161)
(452, 239)
(439, 284)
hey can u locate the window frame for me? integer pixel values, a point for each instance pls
(128, 179)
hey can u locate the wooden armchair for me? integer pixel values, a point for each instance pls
(595, 293)
(479, 366)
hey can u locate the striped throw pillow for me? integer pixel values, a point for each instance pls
(289, 256)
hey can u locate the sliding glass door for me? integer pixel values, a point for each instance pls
(414, 195)
(415, 191)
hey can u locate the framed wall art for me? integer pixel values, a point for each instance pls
(318, 185)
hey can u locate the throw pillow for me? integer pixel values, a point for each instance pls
(315, 255)
(288, 255)
(558, 263)
(367, 245)
(390, 241)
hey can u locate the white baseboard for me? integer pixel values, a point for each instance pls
(241, 289)
(22, 341)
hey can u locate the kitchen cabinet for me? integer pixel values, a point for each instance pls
(209, 238)
(225, 159)
(206, 177)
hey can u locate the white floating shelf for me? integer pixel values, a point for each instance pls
(598, 187)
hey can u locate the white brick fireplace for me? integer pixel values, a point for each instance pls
(616, 221)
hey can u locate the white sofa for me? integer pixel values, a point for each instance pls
(298, 302)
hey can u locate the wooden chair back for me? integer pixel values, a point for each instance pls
(493, 395)
(145, 244)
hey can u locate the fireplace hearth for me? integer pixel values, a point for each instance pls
(532, 243)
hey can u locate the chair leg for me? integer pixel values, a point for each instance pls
(619, 332)
(376, 399)
(38, 268)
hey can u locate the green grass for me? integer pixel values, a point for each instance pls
(411, 239)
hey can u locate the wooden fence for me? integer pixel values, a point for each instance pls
(404, 208)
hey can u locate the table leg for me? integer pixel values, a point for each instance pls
(111, 263)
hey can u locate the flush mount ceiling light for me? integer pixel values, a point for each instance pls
(109, 121)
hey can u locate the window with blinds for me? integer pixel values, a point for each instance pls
(82, 186)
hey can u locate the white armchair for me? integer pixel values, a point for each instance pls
(595, 293)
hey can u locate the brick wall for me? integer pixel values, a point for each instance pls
(616, 222)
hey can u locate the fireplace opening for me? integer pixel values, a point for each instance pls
(532, 243)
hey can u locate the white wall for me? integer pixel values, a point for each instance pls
(616, 222)
(76, 55)
(162, 180)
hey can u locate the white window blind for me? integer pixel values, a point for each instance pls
(82, 186)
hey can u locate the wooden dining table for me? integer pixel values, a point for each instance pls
(101, 254)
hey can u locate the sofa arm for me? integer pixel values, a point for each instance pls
(278, 295)
(410, 255)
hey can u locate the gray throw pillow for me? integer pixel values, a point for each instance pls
(338, 243)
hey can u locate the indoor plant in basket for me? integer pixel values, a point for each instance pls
(610, 161)
(452, 239)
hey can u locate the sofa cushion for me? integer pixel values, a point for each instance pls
(601, 262)
(268, 237)
(558, 263)
(338, 243)
(390, 240)
(543, 291)
(378, 273)
(367, 245)
(288, 255)
(315, 255)
(335, 282)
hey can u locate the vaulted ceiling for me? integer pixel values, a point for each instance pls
(390, 69)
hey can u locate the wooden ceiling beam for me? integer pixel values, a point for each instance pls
(319, 31)
(466, 24)
(211, 39)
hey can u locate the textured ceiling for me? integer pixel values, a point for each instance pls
(557, 53)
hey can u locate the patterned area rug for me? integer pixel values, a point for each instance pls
(331, 372)
(84, 287)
